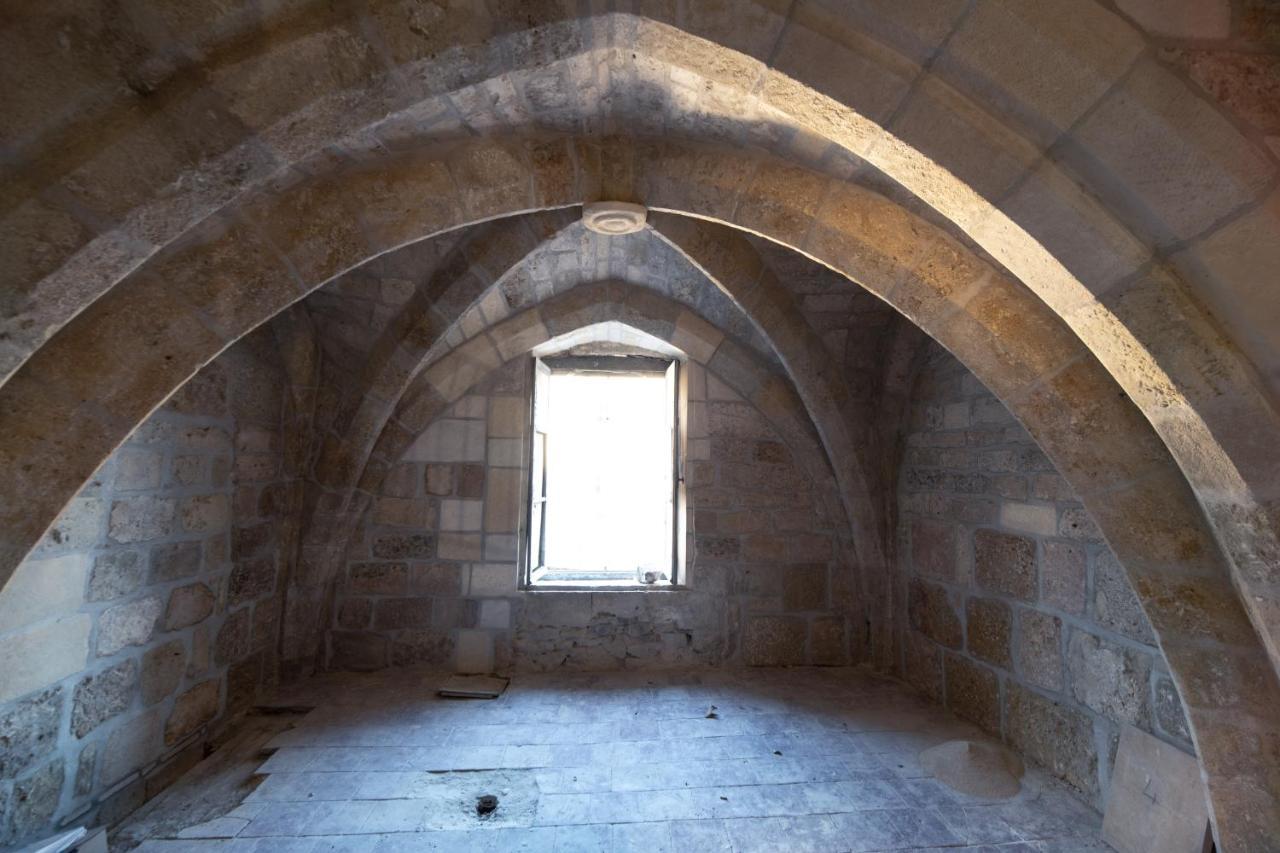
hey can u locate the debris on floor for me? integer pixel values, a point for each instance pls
(711, 713)
(474, 686)
(978, 769)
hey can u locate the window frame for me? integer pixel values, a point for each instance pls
(532, 572)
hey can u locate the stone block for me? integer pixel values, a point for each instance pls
(1005, 564)
(162, 669)
(1115, 605)
(1029, 518)
(191, 710)
(474, 652)
(1156, 802)
(1169, 713)
(135, 744)
(129, 624)
(470, 481)
(773, 641)
(86, 766)
(30, 731)
(461, 546)
(34, 658)
(205, 513)
(1111, 679)
(507, 417)
(102, 696)
(379, 578)
(401, 481)
(251, 579)
(506, 452)
(1063, 573)
(243, 679)
(188, 605)
(417, 513)
(41, 589)
(449, 440)
(931, 612)
(35, 799)
(501, 546)
(355, 613)
(973, 692)
(439, 479)
(1040, 649)
(805, 587)
(1183, 19)
(989, 629)
(435, 579)
(495, 614)
(393, 613)
(115, 574)
(492, 579)
(141, 519)
(933, 548)
(235, 637)
(174, 561)
(1076, 523)
(502, 500)
(923, 665)
(404, 546)
(77, 528)
(463, 515)
(1056, 736)
(430, 646)
(827, 642)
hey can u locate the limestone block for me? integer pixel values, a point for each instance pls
(501, 546)
(1157, 800)
(1058, 737)
(141, 519)
(136, 743)
(493, 579)
(41, 589)
(1111, 679)
(394, 613)
(506, 452)
(234, 639)
(162, 669)
(507, 417)
(931, 612)
(1040, 649)
(192, 710)
(1189, 19)
(31, 731)
(474, 652)
(805, 587)
(35, 799)
(827, 646)
(973, 691)
(1005, 564)
(773, 641)
(470, 481)
(251, 579)
(923, 665)
(1115, 605)
(1182, 159)
(85, 767)
(1062, 576)
(174, 561)
(502, 500)
(115, 574)
(39, 656)
(188, 605)
(78, 526)
(989, 630)
(130, 624)
(404, 546)
(1169, 712)
(357, 650)
(100, 697)
(205, 513)
(1076, 523)
(435, 579)
(417, 513)
(495, 614)
(465, 515)
(355, 613)
(379, 578)
(449, 440)
(430, 646)
(1029, 518)
(933, 548)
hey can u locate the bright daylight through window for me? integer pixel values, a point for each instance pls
(603, 480)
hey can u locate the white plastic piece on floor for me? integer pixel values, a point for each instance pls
(1156, 802)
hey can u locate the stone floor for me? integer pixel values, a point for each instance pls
(792, 760)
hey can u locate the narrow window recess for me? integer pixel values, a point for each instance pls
(605, 487)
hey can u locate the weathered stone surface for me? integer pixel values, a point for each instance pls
(1005, 564)
(989, 627)
(234, 639)
(205, 513)
(393, 613)
(827, 645)
(174, 561)
(357, 650)
(933, 548)
(355, 613)
(1058, 737)
(1040, 649)
(251, 579)
(426, 646)
(923, 665)
(805, 587)
(1063, 574)
(115, 574)
(130, 624)
(100, 697)
(973, 692)
(35, 799)
(243, 680)
(470, 480)
(435, 579)
(188, 605)
(192, 710)
(141, 519)
(162, 669)
(86, 764)
(931, 612)
(439, 479)
(43, 589)
(29, 731)
(773, 641)
(379, 578)
(1169, 712)
(32, 659)
(1114, 604)
(132, 745)
(407, 546)
(1111, 679)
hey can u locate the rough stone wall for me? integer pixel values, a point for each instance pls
(435, 580)
(1013, 610)
(146, 617)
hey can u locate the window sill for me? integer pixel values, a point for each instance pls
(564, 581)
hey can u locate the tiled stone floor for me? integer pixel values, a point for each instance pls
(795, 760)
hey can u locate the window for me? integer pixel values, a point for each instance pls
(605, 496)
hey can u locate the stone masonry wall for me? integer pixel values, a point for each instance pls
(146, 617)
(434, 578)
(1014, 612)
